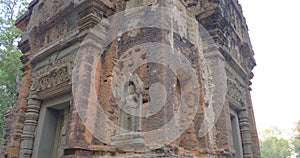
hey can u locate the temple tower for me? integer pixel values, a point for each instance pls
(133, 78)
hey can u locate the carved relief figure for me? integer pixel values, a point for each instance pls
(131, 104)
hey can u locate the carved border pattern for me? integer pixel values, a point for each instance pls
(59, 72)
(235, 89)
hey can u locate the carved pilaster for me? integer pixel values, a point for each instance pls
(254, 136)
(92, 33)
(245, 132)
(30, 124)
(216, 64)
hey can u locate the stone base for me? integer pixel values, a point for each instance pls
(129, 141)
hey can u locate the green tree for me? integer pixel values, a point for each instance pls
(272, 145)
(9, 54)
(296, 141)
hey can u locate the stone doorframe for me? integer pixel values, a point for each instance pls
(31, 139)
(46, 129)
(236, 133)
(242, 114)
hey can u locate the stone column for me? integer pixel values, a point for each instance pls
(30, 124)
(254, 136)
(245, 132)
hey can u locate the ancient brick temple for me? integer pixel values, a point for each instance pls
(133, 78)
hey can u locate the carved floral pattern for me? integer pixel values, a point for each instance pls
(235, 89)
(52, 76)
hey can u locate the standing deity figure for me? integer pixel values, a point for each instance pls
(131, 104)
(129, 136)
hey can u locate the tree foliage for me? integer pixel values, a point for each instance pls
(272, 144)
(296, 141)
(9, 54)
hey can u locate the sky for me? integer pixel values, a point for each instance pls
(274, 28)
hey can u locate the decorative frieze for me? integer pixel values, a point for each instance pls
(235, 89)
(51, 76)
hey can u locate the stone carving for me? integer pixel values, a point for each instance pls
(235, 89)
(52, 76)
(129, 97)
(130, 101)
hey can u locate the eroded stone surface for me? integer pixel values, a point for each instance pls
(208, 77)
